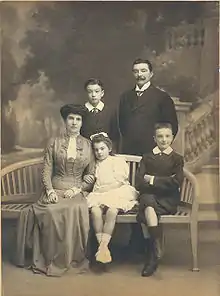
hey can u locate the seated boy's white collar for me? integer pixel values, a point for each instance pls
(100, 106)
(167, 151)
(143, 88)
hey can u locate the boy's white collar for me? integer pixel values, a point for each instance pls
(100, 106)
(167, 151)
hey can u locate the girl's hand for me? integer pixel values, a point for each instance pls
(69, 193)
(89, 179)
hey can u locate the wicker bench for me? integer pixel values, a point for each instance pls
(21, 186)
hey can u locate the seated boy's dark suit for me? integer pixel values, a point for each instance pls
(164, 193)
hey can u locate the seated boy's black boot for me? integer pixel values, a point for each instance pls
(151, 262)
(151, 266)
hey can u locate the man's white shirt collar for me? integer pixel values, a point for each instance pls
(143, 88)
(167, 151)
(100, 106)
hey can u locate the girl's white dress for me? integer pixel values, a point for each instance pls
(112, 188)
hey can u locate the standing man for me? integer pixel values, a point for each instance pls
(141, 108)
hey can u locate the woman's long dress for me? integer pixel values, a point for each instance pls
(57, 234)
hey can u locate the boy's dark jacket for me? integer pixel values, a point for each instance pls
(103, 121)
(168, 172)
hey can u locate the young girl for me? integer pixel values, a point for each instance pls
(111, 193)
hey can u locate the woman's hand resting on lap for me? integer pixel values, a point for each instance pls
(52, 198)
(71, 192)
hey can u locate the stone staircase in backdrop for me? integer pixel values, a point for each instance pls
(201, 151)
(209, 197)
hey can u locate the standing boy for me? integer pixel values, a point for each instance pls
(99, 117)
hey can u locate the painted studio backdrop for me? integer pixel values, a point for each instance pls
(49, 49)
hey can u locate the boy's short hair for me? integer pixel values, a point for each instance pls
(160, 125)
(93, 81)
(143, 61)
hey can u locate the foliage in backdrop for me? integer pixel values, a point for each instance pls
(49, 49)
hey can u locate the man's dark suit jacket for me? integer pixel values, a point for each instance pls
(138, 115)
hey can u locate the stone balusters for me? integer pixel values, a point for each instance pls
(200, 137)
(182, 109)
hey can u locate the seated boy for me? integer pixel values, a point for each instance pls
(158, 180)
(99, 117)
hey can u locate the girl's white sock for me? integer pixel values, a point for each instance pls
(99, 237)
(106, 239)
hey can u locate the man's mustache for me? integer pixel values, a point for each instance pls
(141, 78)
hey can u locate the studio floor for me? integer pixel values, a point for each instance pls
(123, 276)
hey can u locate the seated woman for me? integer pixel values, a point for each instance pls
(56, 228)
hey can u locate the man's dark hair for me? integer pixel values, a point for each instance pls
(143, 61)
(160, 125)
(93, 81)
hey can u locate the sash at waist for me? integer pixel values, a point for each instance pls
(65, 183)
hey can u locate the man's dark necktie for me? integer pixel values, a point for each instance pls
(95, 110)
(139, 93)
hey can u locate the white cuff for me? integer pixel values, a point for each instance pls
(50, 191)
(76, 190)
(151, 180)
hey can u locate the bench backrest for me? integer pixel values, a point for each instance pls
(24, 178)
(189, 188)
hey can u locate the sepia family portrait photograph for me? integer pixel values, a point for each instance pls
(110, 148)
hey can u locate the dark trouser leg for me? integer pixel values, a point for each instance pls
(136, 242)
(160, 243)
(92, 245)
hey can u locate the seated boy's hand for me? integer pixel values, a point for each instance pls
(89, 179)
(147, 178)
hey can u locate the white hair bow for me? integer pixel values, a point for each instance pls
(102, 133)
